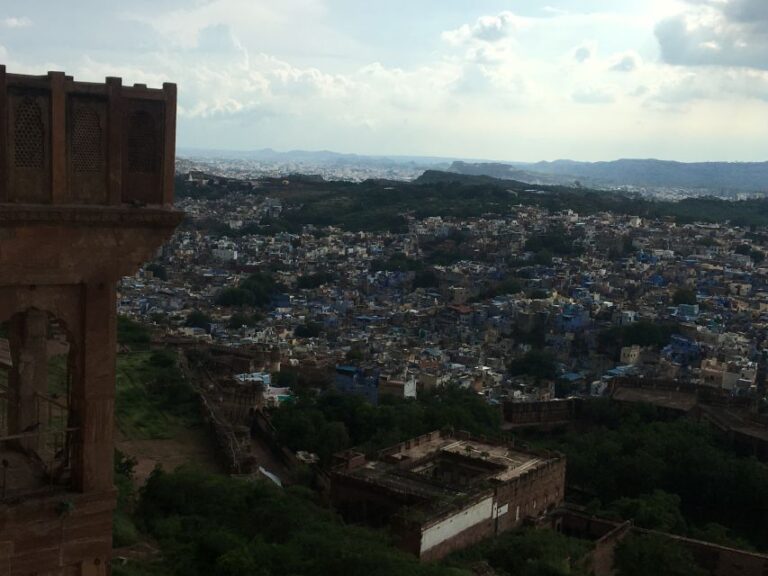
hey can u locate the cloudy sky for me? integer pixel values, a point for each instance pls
(514, 80)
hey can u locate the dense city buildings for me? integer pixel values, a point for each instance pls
(454, 290)
(529, 306)
(466, 301)
(535, 310)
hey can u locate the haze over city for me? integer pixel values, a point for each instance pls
(516, 80)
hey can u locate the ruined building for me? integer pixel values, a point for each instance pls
(86, 193)
(442, 492)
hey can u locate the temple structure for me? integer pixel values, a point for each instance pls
(86, 194)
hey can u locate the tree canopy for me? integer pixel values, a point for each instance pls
(331, 422)
(218, 526)
(630, 453)
(641, 555)
(538, 364)
(684, 296)
(198, 319)
(256, 290)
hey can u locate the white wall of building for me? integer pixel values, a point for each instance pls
(456, 524)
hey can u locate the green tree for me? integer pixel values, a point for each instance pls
(629, 451)
(262, 286)
(355, 354)
(215, 525)
(310, 281)
(538, 364)
(302, 424)
(286, 379)
(131, 333)
(426, 279)
(656, 511)
(684, 296)
(397, 263)
(198, 319)
(308, 330)
(642, 333)
(650, 554)
(235, 297)
(256, 290)
(543, 257)
(240, 319)
(158, 271)
(529, 552)
(743, 249)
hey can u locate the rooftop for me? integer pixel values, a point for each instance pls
(438, 467)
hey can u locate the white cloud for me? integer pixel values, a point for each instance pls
(256, 25)
(593, 96)
(554, 11)
(731, 33)
(486, 29)
(746, 10)
(719, 85)
(584, 52)
(498, 85)
(16, 22)
(628, 62)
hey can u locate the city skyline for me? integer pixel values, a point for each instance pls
(595, 80)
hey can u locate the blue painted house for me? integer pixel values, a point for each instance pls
(358, 381)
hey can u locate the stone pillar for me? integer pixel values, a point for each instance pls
(93, 391)
(29, 376)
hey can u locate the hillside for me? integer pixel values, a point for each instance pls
(382, 204)
(714, 177)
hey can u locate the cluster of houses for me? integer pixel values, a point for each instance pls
(462, 300)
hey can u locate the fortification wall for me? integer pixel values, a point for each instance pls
(539, 414)
(62, 534)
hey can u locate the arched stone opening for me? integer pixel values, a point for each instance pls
(38, 366)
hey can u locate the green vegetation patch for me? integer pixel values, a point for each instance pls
(643, 333)
(214, 525)
(132, 333)
(256, 290)
(640, 555)
(528, 552)
(630, 454)
(154, 400)
(332, 422)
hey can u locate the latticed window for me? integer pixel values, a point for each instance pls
(142, 142)
(29, 135)
(87, 152)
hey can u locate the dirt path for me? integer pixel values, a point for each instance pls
(189, 446)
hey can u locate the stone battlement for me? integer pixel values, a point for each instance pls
(82, 143)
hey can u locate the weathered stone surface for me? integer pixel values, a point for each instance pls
(86, 193)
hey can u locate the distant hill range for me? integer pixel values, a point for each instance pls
(314, 157)
(724, 179)
(715, 177)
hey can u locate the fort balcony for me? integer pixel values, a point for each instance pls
(86, 176)
(86, 196)
(67, 143)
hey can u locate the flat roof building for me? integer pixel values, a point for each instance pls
(441, 492)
